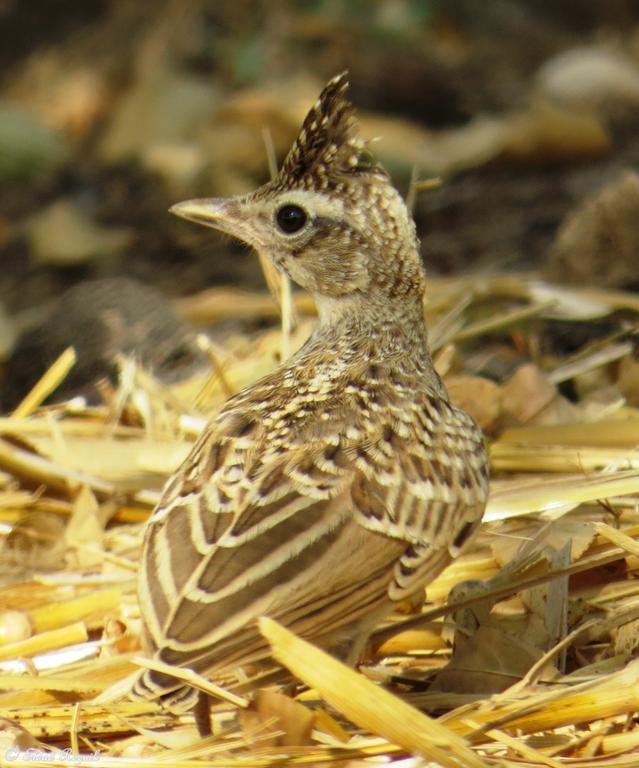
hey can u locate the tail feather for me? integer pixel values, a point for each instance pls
(174, 696)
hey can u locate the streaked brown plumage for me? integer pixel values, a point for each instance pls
(344, 481)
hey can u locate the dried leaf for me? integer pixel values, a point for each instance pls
(489, 661)
(525, 394)
(479, 397)
(289, 722)
(85, 529)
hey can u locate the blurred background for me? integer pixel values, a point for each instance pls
(112, 110)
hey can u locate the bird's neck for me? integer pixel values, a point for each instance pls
(386, 330)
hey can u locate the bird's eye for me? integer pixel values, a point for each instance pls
(291, 218)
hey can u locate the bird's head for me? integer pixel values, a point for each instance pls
(331, 218)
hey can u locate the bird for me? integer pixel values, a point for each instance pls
(102, 319)
(343, 482)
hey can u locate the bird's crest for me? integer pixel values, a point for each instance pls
(328, 148)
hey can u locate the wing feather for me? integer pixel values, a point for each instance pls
(436, 500)
(248, 529)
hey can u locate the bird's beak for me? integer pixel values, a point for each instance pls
(208, 211)
(222, 213)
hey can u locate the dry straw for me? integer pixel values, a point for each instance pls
(550, 579)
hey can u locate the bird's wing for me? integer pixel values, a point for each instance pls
(246, 529)
(424, 481)
(243, 532)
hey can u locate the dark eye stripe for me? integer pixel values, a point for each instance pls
(322, 222)
(322, 227)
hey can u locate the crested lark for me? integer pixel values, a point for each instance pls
(343, 482)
